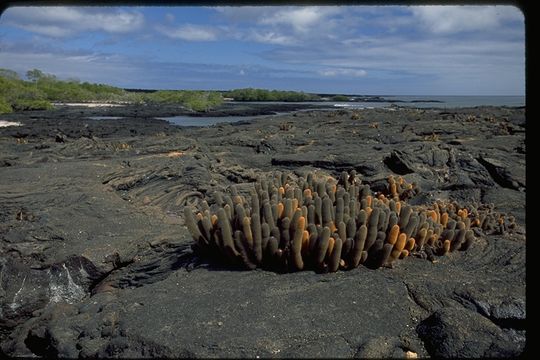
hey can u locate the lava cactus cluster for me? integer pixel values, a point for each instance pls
(318, 222)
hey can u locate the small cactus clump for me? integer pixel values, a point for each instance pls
(399, 189)
(326, 224)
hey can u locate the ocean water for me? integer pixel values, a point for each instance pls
(417, 101)
(459, 101)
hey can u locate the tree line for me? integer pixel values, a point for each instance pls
(39, 90)
(251, 94)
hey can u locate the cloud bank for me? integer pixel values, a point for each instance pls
(63, 21)
(363, 49)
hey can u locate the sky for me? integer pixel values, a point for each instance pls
(371, 50)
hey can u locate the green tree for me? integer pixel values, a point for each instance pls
(250, 94)
(340, 98)
(24, 105)
(214, 99)
(34, 75)
(9, 74)
(5, 107)
(40, 89)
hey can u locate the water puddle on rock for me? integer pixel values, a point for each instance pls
(209, 120)
(104, 117)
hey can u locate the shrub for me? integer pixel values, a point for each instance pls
(25, 105)
(5, 107)
(340, 98)
(250, 94)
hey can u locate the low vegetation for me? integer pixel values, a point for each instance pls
(39, 90)
(194, 100)
(250, 94)
(340, 98)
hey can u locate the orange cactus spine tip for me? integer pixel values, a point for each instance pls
(393, 235)
(281, 190)
(331, 243)
(404, 253)
(301, 223)
(246, 224)
(444, 219)
(410, 244)
(237, 199)
(401, 241)
(369, 200)
(305, 240)
(280, 210)
(368, 211)
(393, 189)
(432, 239)
(446, 246)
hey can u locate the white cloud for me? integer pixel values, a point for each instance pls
(301, 19)
(330, 44)
(396, 54)
(190, 32)
(454, 19)
(271, 37)
(61, 21)
(493, 63)
(283, 25)
(47, 30)
(333, 72)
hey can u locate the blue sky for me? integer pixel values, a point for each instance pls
(416, 50)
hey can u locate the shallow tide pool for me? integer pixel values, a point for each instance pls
(207, 120)
(104, 117)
